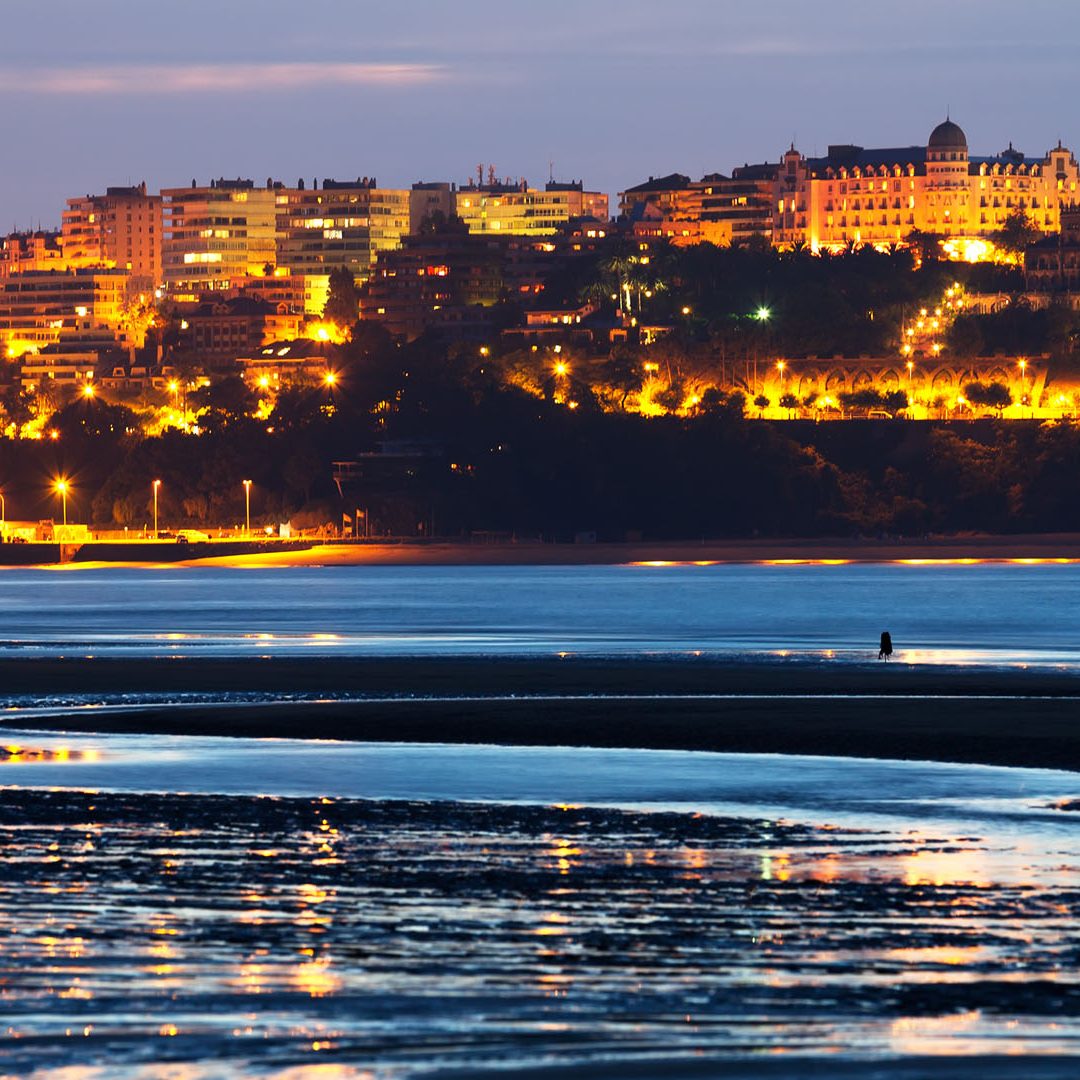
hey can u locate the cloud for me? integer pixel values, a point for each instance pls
(212, 78)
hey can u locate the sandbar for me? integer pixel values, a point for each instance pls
(1014, 716)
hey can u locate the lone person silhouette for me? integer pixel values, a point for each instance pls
(886, 646)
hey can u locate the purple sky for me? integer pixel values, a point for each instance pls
(117, 91)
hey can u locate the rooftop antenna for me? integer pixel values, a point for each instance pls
(551, 172)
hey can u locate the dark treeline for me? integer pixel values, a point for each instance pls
(502, 460)
(853, 303)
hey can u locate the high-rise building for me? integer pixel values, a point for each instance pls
(511, 209)
(43, 307)
(118, 230)
(216, 234)
(431, 202)
(342, 224)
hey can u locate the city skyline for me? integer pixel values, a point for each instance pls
(426, 93)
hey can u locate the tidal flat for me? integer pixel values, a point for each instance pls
(197, 936)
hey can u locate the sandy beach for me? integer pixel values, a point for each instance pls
(1008, 717)
(1023, 548)
(1061, 546)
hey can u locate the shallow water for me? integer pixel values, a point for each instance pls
(599, 908)
(992, 613)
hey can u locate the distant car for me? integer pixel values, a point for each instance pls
(191, 536)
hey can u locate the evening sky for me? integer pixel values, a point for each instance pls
(611, 91)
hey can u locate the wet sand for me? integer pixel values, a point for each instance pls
(961, 714)
(217, 936)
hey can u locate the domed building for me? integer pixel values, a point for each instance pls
(947, 137)
(853, 195)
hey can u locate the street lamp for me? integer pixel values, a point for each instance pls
(156, 485)
(763, 314)
(62, 490)
(247, 507)
(780, 367)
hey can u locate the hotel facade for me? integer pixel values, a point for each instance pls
(858, 196)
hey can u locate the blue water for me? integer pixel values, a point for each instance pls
(989, 613)
(856, 914)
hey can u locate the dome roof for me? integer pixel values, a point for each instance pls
(947, 136)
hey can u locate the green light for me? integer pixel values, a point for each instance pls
(763, 314)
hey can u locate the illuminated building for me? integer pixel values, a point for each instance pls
(216, 234)
(283, 363)
(515, 209)
(858, 196)
(39, 308)
(22, 252)
(300, 293)
(1053, 263)
(431, 202)
(221, 329)
(121, 228)
(717, 209)
(342, 224)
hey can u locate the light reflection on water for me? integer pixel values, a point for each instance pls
(759, 904)
(1009, 614)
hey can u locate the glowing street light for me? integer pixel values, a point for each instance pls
(247, 507)
(330, 379)
(763, 314)
(561, 368)
(62, 486)
(88, 390)
(156, 486)
(780, 365)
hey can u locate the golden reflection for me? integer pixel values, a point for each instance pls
(555, 925)
(775, 865)
(951, 955)
(249, 978)
(966, 866)
(934, 1034)
(315, 978)
(695, 858)
(13, 754)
